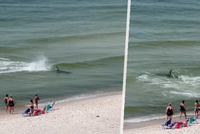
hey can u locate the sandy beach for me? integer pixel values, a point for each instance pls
(99, 115)
(157, 129)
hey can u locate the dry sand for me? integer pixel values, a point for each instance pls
(157, 129)
(78, 117)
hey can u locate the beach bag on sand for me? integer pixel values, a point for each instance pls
(37, 113)
(42, 112)
(185, 124)
(37, 110)
(178, 125)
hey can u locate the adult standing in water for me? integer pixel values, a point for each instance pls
(6, 102)
(11, 104)
(36, 100)
(169, 112)
(183, 110)
(196, 108)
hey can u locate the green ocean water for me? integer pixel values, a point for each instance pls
(164, 35)
(86, 38)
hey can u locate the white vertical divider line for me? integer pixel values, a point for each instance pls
(125, 65)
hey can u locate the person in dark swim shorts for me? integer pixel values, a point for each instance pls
(169, 112)
(31, 107)
(183, 110)
(6, 102)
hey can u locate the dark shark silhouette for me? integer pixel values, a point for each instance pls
(170, 75)
(61, 71)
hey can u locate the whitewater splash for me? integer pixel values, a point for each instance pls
(187, 86)
(9, 66)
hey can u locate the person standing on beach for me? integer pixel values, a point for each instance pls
(183, 110)
(196, 108)
(36, 100)
(31, 107)
(6, 102)
(169, 112)
(11, 104)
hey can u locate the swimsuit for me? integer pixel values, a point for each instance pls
(11, 103)
(36, 99)
(5, 102)
(196, 109)
(169, 112)
(182, 109)
(31, 105)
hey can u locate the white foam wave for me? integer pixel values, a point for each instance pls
(184, 86)
(190, 80)
(143, 77)
(4, 59)
(169, 82)
(144, 118)
(188, 94)
(78, 97)
(164, 83)
(8, 66)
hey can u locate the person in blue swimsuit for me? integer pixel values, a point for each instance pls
(183, 110)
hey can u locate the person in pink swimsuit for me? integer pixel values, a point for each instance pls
(36, 101)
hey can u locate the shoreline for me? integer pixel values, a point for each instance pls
(157, 129)
(100, 114)
(136, 125)
(140, 124)
(20, 109)
(154, 127)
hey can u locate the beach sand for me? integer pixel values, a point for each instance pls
(157, 129)
(77, 117)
